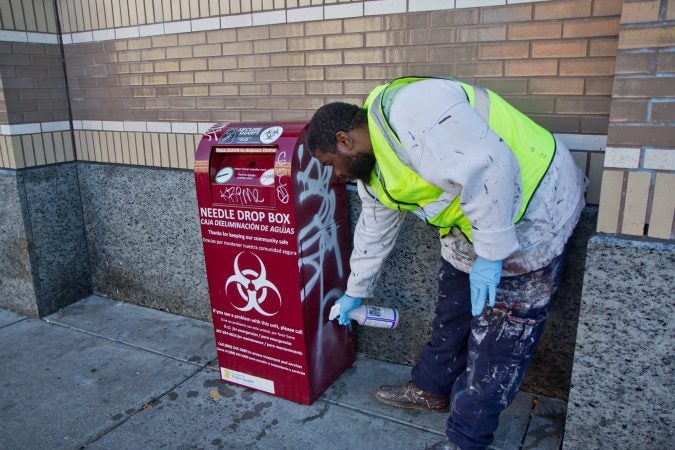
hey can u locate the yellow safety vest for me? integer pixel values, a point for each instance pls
(399, 187)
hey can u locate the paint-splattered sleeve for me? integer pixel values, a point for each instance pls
(452, 147)
(374, 237)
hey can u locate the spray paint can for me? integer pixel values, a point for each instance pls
(375, 316)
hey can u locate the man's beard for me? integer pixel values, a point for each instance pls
(360, 166)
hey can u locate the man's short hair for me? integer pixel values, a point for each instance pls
(328, 120)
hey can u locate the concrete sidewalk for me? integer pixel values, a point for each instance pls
(107, 375)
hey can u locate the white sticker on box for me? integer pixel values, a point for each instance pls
(247, 380)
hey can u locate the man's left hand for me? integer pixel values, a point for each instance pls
(483, 279)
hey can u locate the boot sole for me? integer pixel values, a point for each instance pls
(410, 405)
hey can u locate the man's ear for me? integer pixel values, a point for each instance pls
(344, 140)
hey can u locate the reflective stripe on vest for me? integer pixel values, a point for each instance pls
(399, 187)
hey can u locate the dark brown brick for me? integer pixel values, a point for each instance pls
(599, 86)
(505, 86)
(638, 136)
(644, 87)
(628, 111)
(635, 63)
(532, 104)
(666, 62)
(567, 105)
(663, 111)
(557, 123)
(593, 124)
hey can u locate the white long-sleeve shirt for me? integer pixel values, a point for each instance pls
(448, 144)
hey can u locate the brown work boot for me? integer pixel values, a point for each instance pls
(410, 396)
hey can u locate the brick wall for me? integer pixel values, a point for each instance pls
(152, 71)
(639, 180)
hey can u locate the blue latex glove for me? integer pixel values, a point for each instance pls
(347, 303)
(483, 279)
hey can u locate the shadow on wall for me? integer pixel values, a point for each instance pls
(408, 282)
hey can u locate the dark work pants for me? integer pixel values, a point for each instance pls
(480, 362)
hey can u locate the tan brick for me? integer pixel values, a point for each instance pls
(210, 102)
(361, 88)
(504, 86)
(169, 40)
(647, 37)
(670, 10)
(638, 12)
(344, 41)
(154, 79)
(610, 201)
(323, 27)
(131, 80)
(559, 49)
(166, 66)
(506, 14)
(253, 33)
(311, 103)
(207, 50)
(635, 206)
(237, 48)
(253, 61)
(180, 78)
(663, 206)
(271, 74)
(363, 24)
(192, 38)
(305, 43)
(179, 52)
(195, 91)
(142, 67)
(287, 59)
(220, 36)
(211, 76)
(591, 27)
(223, 89)
(386, 38)
(143, 92)
(558, 85)
(194, 64)
(256, 115)
(288, 88)
(422, 20)
(344, 73)
(305, 73)
(507, 50)
(277, 103)
(126, 56)
(327, 58)
(223, 62)
(324, 87)
(238, 76)
(628, 111)
(607, 7)
(139, 44)
(368, 56)
(587, 67)
(286, 30)
(254, 89)
(270, 46)
(416, 54)
(434, 36)
(530, 68)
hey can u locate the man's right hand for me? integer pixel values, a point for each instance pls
(347, 303)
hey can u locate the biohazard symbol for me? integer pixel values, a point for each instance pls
(252, 286)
